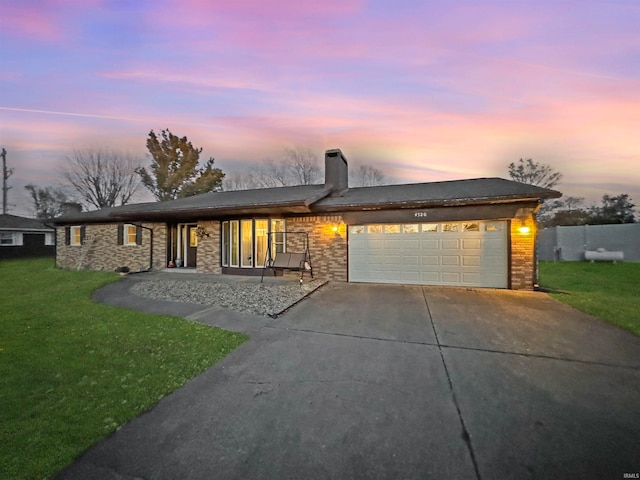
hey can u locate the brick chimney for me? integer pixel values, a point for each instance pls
(69, 208)
(336, 172)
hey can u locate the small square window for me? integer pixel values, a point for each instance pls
(493, 227)
(411, 228)
(358, 229)
(470, 227)
(392, 229)
(375, 228)
(449, 227)
(429, 227)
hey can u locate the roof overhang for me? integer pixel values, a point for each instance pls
(499, 211)
(188, 215)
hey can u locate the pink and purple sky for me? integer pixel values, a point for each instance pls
(423, 90)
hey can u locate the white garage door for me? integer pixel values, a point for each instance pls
(452, 253)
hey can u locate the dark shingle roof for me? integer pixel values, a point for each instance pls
(315, 198)
(13, 222)
(450, 193)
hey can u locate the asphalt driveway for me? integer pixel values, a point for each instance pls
(378, 381)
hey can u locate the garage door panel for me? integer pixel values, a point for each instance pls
(451, 277)
(410, 260)
(454, 255)
(450, 244)
(431, 244)
(357, 260)
(430, 260)
(471, 244)
(471, 261)
(375, 244)
(411, 243)
(376, 259)
(393, 244)
(430, 278)
(448, 260)
(493, 244)
(411, 277)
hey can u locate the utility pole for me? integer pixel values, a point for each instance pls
(6, 173)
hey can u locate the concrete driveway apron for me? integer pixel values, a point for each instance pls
(378, 381)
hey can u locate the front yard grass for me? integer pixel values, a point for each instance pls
(606, 290)
(72, 371)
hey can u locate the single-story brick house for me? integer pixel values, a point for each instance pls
(477, 232)
(22, 237)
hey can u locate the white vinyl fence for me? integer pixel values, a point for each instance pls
(571, 243)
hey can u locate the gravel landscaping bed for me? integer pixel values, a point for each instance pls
(255, 298)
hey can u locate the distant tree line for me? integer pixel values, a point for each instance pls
(102, 178)
(571, 210)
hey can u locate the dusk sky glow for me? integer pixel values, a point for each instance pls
(423, 90)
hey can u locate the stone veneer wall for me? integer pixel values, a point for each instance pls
(106, 254)
(523, 254)
(328, 248)
(208, 260)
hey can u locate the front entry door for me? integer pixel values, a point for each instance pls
(192, 246)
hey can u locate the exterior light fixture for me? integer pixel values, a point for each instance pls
(524, 228)
(335, 229)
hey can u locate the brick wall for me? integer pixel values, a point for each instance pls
(328, 248)
(522, 254)
(106, 254)
(208, 259)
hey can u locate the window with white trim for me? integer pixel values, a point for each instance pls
(7, 239)
(244, 242)
(130, 234)
(76, 235)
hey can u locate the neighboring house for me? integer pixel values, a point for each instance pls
(24, 237)
(478, 232)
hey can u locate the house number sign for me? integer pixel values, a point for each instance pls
(420, 214)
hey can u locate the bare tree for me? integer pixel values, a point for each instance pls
(102, 178)
(297, 166)
(303, 165)
(368, 176)
(239, 181)
(534, 173)
(270, 174)
(48, 202)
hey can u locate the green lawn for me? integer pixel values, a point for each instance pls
(72, 371)
(610, 291)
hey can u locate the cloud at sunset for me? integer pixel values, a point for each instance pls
(424, 90)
